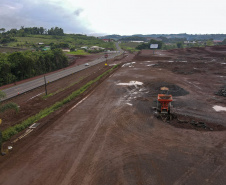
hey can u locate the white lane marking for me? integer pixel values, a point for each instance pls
(35, 96)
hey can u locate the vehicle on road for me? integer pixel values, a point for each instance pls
(86, 64)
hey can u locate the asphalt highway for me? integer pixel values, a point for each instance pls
(27, 86)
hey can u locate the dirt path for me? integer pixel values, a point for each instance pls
(112, 137)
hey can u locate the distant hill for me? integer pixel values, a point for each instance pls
(169, 36)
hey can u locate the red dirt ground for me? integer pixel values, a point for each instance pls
(113, 137)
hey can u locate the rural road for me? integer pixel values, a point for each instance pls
(27, 86)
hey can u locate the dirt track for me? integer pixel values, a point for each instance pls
(112, 137)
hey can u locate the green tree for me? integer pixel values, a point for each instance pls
(3, 108)
(143, 46)
(147, 45)
(223, 42)
(72, 48)
(41, 30)
(2, 30)
(6, 76)
(179, 45)
(209, 43)
(152, 41)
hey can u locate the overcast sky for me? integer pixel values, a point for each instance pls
(124, 17)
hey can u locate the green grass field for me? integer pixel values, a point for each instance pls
(76, 41)
(78, 52)
(130, 46)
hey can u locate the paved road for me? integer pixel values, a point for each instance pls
(27, 86)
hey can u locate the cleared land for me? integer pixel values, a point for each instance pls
(113, 137)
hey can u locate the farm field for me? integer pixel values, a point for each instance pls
(129, 46)
(111, 134)
(72, 40)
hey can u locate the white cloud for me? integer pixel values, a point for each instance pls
(41, 13)
(118, 16)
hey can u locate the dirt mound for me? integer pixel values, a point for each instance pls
(222, 92)
(143, 58)
(186, 122)
(211, 51)
(174, 90)
(145, 55)
(218, 48)
(187, 51)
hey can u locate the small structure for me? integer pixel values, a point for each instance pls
(189, 42)
(137, 41)
(106, 40)
(217, 41)
(66, 50)
(96, 48)
(46, 48)
(84, 47)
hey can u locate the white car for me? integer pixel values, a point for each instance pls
(86, 64)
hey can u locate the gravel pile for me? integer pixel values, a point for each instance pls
(174, 90)
(222, 92)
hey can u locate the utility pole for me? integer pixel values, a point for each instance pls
(45, 84)
(106, 56)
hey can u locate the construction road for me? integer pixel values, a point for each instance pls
(112, 137)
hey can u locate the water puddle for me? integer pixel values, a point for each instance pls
(219, 108)
(129, 64)
(131, 83)
(151, 65)
(134, 90)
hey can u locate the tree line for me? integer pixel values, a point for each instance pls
(7, 36)
(147, 45)
(32, 31)
(22, 65)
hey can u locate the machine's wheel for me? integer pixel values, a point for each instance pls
(169, 107)
(158, 106)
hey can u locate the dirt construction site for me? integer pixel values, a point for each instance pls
(113, 133)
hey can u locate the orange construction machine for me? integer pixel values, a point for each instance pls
(164, 101)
